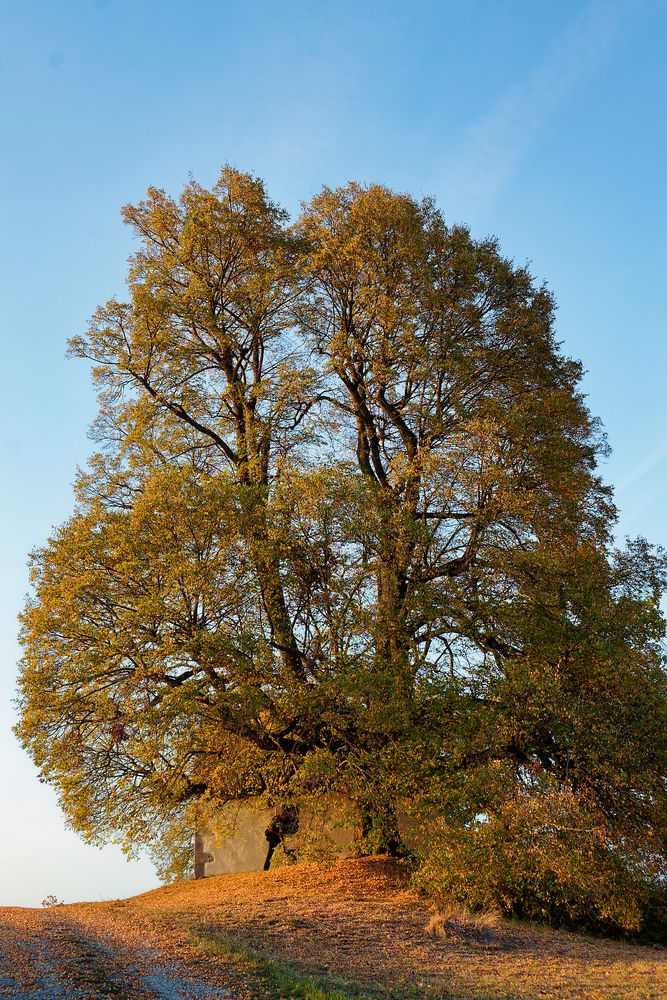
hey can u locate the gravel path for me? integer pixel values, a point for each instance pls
(46, 956)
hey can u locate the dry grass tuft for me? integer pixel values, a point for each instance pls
(458, 923)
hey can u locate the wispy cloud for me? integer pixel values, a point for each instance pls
(488, 154)
(635, 504)
(634, 516)
(643, 469)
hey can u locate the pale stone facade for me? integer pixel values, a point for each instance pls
(234, 841)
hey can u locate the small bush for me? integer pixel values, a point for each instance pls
(52, 901)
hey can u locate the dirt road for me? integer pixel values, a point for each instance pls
(46, 956)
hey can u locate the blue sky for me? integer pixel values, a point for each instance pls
(540, 122)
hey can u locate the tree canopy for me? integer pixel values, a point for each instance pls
(344, 531)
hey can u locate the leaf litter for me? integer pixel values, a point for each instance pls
(357, 920)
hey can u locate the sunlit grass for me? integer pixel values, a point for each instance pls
(279, 976)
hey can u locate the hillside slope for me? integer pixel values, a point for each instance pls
(354, 928)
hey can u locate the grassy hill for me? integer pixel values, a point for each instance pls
(356, 929)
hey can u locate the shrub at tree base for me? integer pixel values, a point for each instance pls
(542, 858)
(344, 533)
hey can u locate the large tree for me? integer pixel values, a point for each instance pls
(345, 531)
